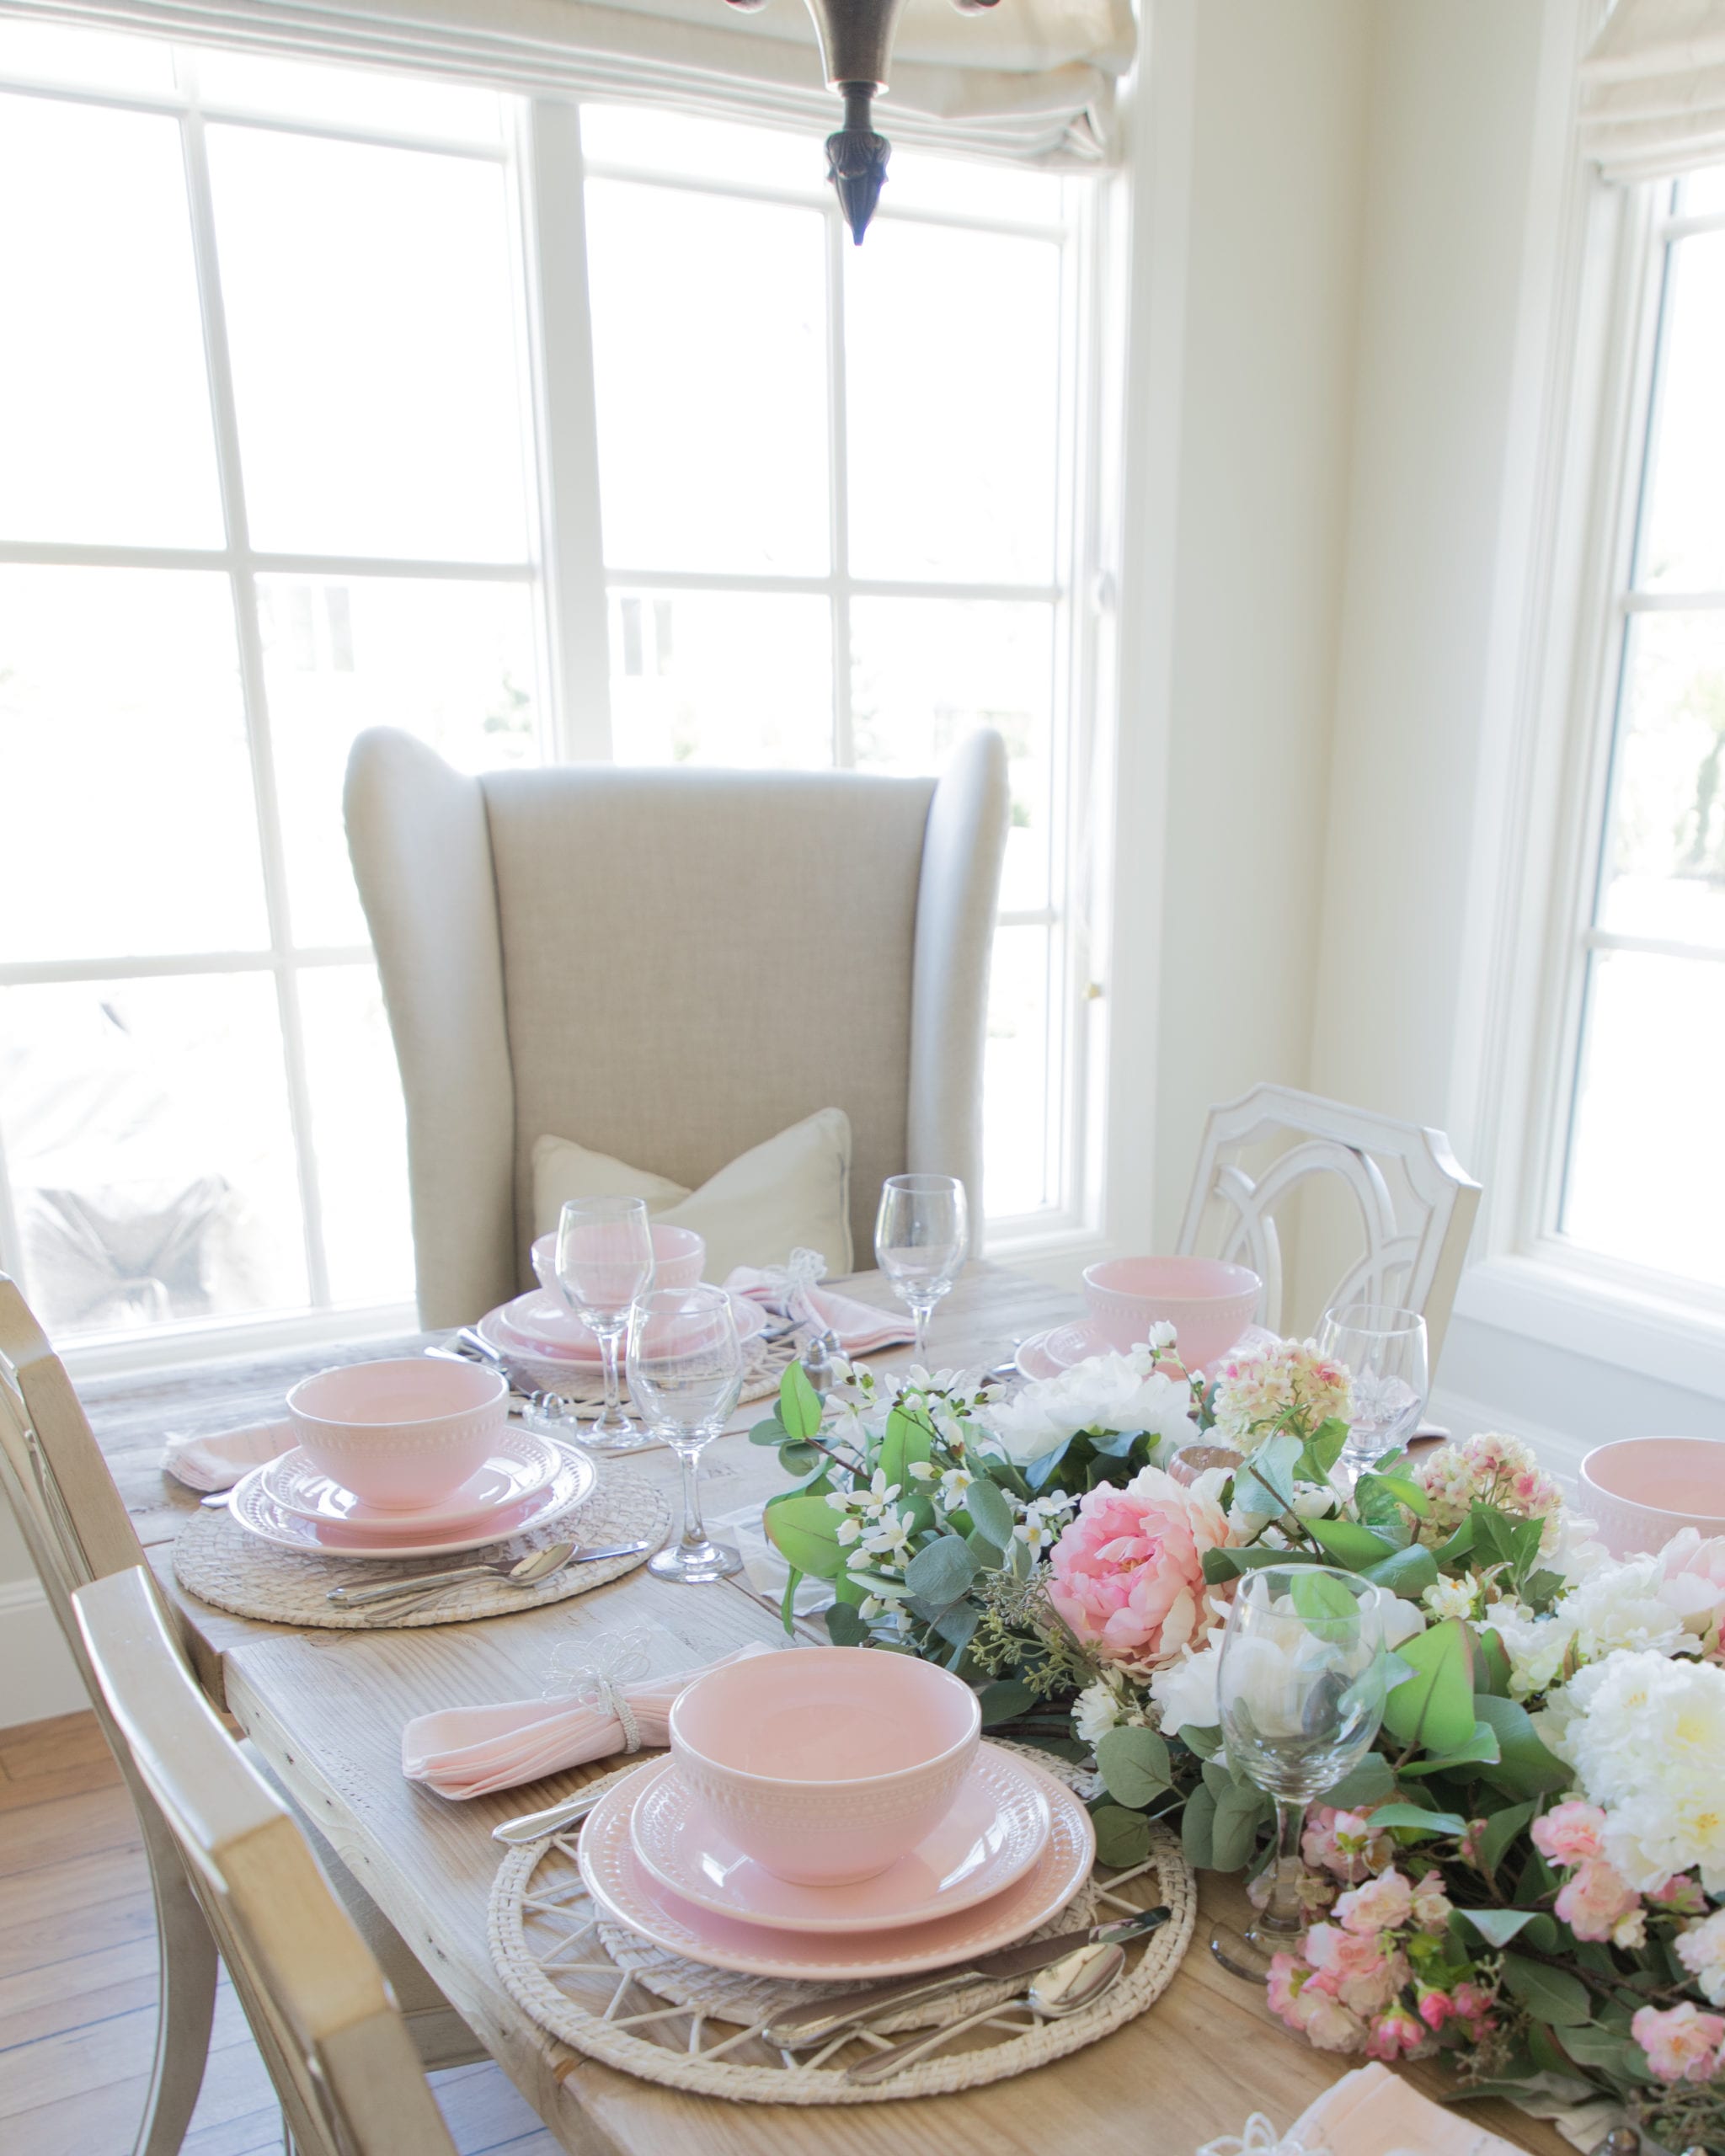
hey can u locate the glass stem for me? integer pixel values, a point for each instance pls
(694, 1527)
(921, 1312)
(1282, 1912)
(608, 1345)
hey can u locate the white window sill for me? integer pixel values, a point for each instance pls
(1607, 1318)
(165, 1347)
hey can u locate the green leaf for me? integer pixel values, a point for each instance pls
(1122, 1838)
(1416, 1819)
(805, 1532)
(798, 1403)
(1459, 1546)
(1202, 1743)
(942, 1570)
(1491, 1663)
(1197, 1829)
(1266, 1481)
(1228, 1564)
(1362, 1787)
(1234, 1836)
(1349, 1543)
(795, 1458)
(1004, 1702)
(787, 1603)
(1396, 1487)
(1523, 1766)
(1407, 1572)
(772, 1432)
(1549, 1994)
(1499, 1831)
(958, 1623)
(1497, 1927)
(1039, 1471)
(908, 1439)
(1434, 1706)
(1481, 1747)
(1134, 1764)
(845, 1628)
(1323, 1449)
(1330, 1612)
(1542, 1588)
(990, 1515)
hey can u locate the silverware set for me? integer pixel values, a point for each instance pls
(532, 1571)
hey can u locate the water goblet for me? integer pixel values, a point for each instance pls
(686, 1371)
(1384, 1350)
(1301, 1687)
(921, 1235)
(604, 1260)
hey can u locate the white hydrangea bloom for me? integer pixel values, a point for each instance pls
(1646, 1736)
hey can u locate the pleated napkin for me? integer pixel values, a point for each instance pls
(217, 1462)
(1370, 2112)
(464, 1752)
(859, 1328)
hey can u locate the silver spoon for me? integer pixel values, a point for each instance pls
(1065, 1987)
(531, 1571)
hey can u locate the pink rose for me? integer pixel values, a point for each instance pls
(1382, 1904)
(1681, 2043)
(1342, 1843)
(1128, 1573)
(1395, 2034)
(1597, 1901)
(1432, 1906)
(1570, 1833)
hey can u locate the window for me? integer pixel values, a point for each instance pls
(1642, 1173)
(283, 460)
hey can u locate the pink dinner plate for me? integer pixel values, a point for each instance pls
(257, 1512)
(536, 1326)
(997, 1830)
(624, 1888)
(520, 1463)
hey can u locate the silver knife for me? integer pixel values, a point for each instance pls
(534, 1826)
(808, 2025)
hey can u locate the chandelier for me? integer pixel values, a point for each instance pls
(856, 44)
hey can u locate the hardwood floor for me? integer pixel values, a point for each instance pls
(78, 1981)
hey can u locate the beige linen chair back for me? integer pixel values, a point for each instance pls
(1390, 1197)
(338, 2051)
(669, 966)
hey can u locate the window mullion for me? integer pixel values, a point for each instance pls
(253, 694)
(844, 741)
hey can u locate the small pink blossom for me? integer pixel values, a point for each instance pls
(1303, 2003)
(1598, 1901)
(1570, 1833)
(1472, 2003)
(1681, 2042)
(1288, 1972)
(1395, 2034)
(1436, 2007)
(1127, 1575)
(1342, 1843)
(1316, 1890)
(1355, 1968)
(1681, 1894)
(1432, 1906)
(1382, 1904)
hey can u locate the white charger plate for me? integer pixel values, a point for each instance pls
(522, 1463)
(535, 1328)
(257, 1512)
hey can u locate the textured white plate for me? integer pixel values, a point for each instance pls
(256, 1511)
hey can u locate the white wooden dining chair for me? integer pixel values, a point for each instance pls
(338, 2051)
(77, 1529)
(1409, 1204)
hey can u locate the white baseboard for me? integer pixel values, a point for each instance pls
(38, 1676)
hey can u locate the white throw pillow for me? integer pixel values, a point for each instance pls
(790, 1192)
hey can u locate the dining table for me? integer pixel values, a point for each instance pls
(326, 1709)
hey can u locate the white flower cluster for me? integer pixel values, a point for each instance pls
(1103, 1393)
(1700, 1948)
(1633, 1606)
(1646, 1735)
(873, 1530)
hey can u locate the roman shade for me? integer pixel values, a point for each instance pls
(1653, 89)
(1026, 80)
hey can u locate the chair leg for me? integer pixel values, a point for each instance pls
(186, 1999)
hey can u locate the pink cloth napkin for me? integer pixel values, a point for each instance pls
(1372, 2112)
(466, 1752)
(217, 1462)
(859, 1328)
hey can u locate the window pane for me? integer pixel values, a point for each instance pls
(121, 728)
(370, 318)
(1647, 1168)
(147, 1132)
(1665, 859)
(970, 187)
(709, 347)
(89, 59)
(349, 97)
(359, 1135)
(1017, 1174)
(925, 672)
(721, 677)
(1683, 548)
(1702, 194)
(104, 418)
(953, 382)
(641, 139)
(450, 661)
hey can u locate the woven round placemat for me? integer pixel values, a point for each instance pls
(584, 1390)
(217, 1560)
(615, 1997)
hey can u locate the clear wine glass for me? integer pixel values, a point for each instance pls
(604, 1260)
(686, 1371)
(1300, 1687)
(921, 1237)
(1384, 1349)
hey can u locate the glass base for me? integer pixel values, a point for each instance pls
(694, 1564)
(1247, 1953)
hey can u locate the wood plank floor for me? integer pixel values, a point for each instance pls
(78, 1981)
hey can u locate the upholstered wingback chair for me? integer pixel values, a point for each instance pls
(670, 967)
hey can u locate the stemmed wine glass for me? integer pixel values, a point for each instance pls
(1384, 1350)
(604, 1260)
(686, 1371)
(921, 1236)
(1300, 1687)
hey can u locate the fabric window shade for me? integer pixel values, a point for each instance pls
(1030, 80)
(1653, 89)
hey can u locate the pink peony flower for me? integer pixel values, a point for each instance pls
(1570, 1833)
(1382, 1904)
(1681, 2042)
(1396, 2034)
(1128, 1573)
(1692, 1573)
(1598, 1903)
(1342, 1843)
(1432, 1906)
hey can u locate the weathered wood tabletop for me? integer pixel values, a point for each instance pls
(326, 1709)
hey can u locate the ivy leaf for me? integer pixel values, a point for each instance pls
(990, 1515)
(1122, 1838)
(1435, 1707)
(1134, 1765)
(845, 1627)
(798, 1403)
(1348, 1543)
(941, 1571)
(1004, 1702)
(1551, 1995)
(804, 1530)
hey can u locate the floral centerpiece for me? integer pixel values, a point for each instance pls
(1526, 1872)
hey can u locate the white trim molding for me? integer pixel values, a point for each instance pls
(38, 1676)
(1608, 1319)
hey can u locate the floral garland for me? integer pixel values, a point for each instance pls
(1527, 1872)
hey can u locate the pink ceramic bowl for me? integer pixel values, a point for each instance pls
(401, 1434)
(678, 1256)
(1209, 1303)
(1640, 1491)
(826, 1764)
